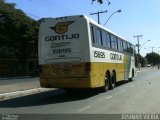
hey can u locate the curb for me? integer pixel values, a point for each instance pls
(138, 71)
(10, 95)
(21, 77)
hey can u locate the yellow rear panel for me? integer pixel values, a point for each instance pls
(75, 75)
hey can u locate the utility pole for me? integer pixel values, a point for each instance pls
(152, 49)
(138, 45)
(152, 54)
(98, 13)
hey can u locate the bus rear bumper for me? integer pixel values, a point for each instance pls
(66, 83)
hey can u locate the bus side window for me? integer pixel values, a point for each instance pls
(93, 31)
(99, 37)
(124, 46)
(128, 48)
(104, 39)
(120, 46)
(108, 40)
(132, 49)
(116, 43)
(113, 42)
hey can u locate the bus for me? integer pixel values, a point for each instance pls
(77, 52)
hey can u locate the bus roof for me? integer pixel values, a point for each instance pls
(90, 20)
(104, 28)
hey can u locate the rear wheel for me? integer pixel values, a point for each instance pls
(106, 85)
(68, 90)
(112, 81)
(131, 79)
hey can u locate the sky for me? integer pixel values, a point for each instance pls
(138, 17)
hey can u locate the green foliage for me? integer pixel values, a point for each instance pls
(100, 1)
(153, 58)
(18, 32)
(2, 1)
(142, 60)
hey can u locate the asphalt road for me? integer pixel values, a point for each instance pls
(139, 96)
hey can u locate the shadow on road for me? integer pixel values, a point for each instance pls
(51, 97)
(124, 82)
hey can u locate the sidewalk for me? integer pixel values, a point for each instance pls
(18, 84)
(20, 77)
(17, 87)
(142, 69)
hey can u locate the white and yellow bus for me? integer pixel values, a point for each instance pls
(77, 52)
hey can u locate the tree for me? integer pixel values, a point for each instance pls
(2, 1)
(17, 32)
(153, 58)
(142, 60)
(101, 1)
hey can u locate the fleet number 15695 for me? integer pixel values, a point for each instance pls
(98, 54)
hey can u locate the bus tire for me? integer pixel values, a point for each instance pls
(106, 85)
(131, 79)
(112, 81)
(68, 90)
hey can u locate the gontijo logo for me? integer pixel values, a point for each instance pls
(61, 27)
